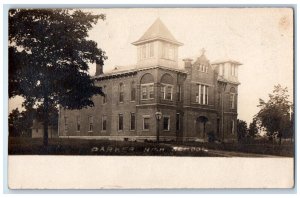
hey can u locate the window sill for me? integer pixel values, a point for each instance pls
(90, 131)
(167, 99)
(147, 99)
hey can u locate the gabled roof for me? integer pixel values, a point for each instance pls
(157, 31)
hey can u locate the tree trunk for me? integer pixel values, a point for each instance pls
(46, 120)
(280, 140)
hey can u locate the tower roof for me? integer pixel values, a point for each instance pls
(157, 31)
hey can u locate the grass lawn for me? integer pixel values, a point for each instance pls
(63, 146)
(286, 149)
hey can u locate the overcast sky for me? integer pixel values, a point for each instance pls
(261, 39)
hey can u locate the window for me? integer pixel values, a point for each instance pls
(151, 49)
(104, 99)
(144, 51)
(234, 70)
(91, 121)
(166, 123)
(132, 121)
(104, 123)
(167, 92)
(232, 126)
(147, 91)
(221, 69)
(177, 121)
(206, 69)
(121, 92)
(162, 92)
(144, 92)
(178, 92)
(151, 91)
(78, 123)
(171, 52)
(133, 91)
(120, 122)
(202, 94)
(168, 51)
(231, 99)
(66, 123)
(146, 123)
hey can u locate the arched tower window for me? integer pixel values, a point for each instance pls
(147, 87)
(167, 87)
(232, 98)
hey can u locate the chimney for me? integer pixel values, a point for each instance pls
(187, 63)
(99, 68)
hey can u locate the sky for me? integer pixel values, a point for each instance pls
(261, 39)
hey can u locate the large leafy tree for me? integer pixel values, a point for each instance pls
(49, 56)
(274, 115)
(241, 129)
(253, 129)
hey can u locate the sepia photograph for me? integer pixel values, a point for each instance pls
(171, 83)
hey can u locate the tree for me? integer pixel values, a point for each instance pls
(241, 129)
(253, 129)
(274, 115)
(48, 59)
(20, 122)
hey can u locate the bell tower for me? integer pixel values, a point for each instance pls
(157, 47)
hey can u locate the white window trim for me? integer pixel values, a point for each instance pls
(165, 91)
(166, 116)
(146, 116)
(147, 85)
(203, 95)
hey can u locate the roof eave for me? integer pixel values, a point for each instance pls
(156, 38)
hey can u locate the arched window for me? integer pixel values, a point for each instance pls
(121, 92)
(167, 87)
(104, 99)
(133, 90)
(147, 87)
(232, 98)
